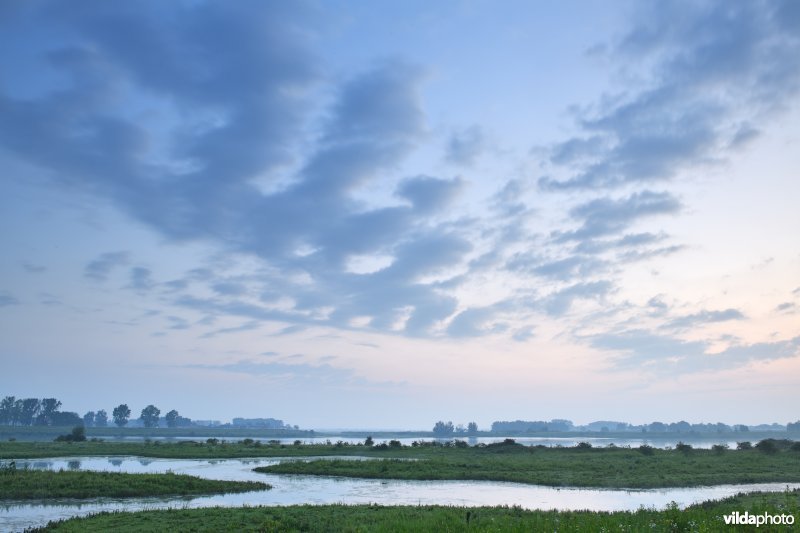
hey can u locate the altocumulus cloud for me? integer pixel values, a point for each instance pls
(247, 143)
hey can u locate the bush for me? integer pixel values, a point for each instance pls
(395, 444)
(683, 447)
(719, 448)
(767, 446)
(646, 449)
(744, 445)
(212, 441)
(78, 434)
(461, 444)
(583, 446)
(369, 441)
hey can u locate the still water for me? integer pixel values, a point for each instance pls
(292, 489)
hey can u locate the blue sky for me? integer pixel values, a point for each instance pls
(350, 214)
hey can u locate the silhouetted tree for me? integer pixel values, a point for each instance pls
(48, 408)
(172, 418)
(7, 410)
(472, 428)
(443, 428)
(88, 419)
(101, 418)
(30, 408)
(121, 413)
(150, 416)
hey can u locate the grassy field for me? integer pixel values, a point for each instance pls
(25, 484)
(576, 467)
(703, 517)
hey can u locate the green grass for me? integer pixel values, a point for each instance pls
(560, 467)
(592, 467)
(703, 517)
(26, 484)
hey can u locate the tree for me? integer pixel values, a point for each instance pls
(172, 418)
(101, 418)
(149, 416)
(121, 413)
(67, 418)
(7, 410)
(30, 408)
(472, 428)
(48, 407)
(88, 419)
(443, 429)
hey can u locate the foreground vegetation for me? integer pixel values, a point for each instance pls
(576, 467)
(26, 484)
(707, 516)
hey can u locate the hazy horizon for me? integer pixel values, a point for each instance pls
(353, 214)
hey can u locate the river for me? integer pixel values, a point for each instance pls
(292, 489)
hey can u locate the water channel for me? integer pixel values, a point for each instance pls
(293, 489)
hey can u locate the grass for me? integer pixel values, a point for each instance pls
(27, 484)
(560, 467)
(576, 466)
(700, 518)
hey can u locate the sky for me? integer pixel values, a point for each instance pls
(383, 214)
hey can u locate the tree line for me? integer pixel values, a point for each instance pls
(46, 412)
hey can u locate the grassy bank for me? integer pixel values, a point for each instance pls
(25, 484)
(578, 467)
(702, 517)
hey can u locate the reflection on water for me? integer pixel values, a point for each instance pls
(291, 489)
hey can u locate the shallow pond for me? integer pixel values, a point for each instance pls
(292, 489)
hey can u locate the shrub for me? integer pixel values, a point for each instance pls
(369, 441)
(719, 448)
(583, 446)
(683, 447)
(395, 444)
(646, 449)
(767, 446)
(212, 441)
(78, 434)
(461, 444)
(297, 442)
(744, 445)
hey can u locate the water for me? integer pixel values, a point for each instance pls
(704, 442)
(292, 489)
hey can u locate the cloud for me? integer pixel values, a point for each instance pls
(716, 70)
(559, 302)
(428, 195)
(141, 279)
(7, 299)
(786, 307)
(663, 354)
(100, 268)
(466, 146)
(607, 216)
(323, 375)
(34, 269)
(704, 317)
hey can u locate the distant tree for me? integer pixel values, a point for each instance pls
(369, 441)
(460, 429)
(793, 426)
(47, 409)
(443, 428)
(7, 410)
(472, 428)
(88, 419)
(30, 409)
(149, 416)
(67, 418)
(172, 418)
(101, 418)
(121, 413)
